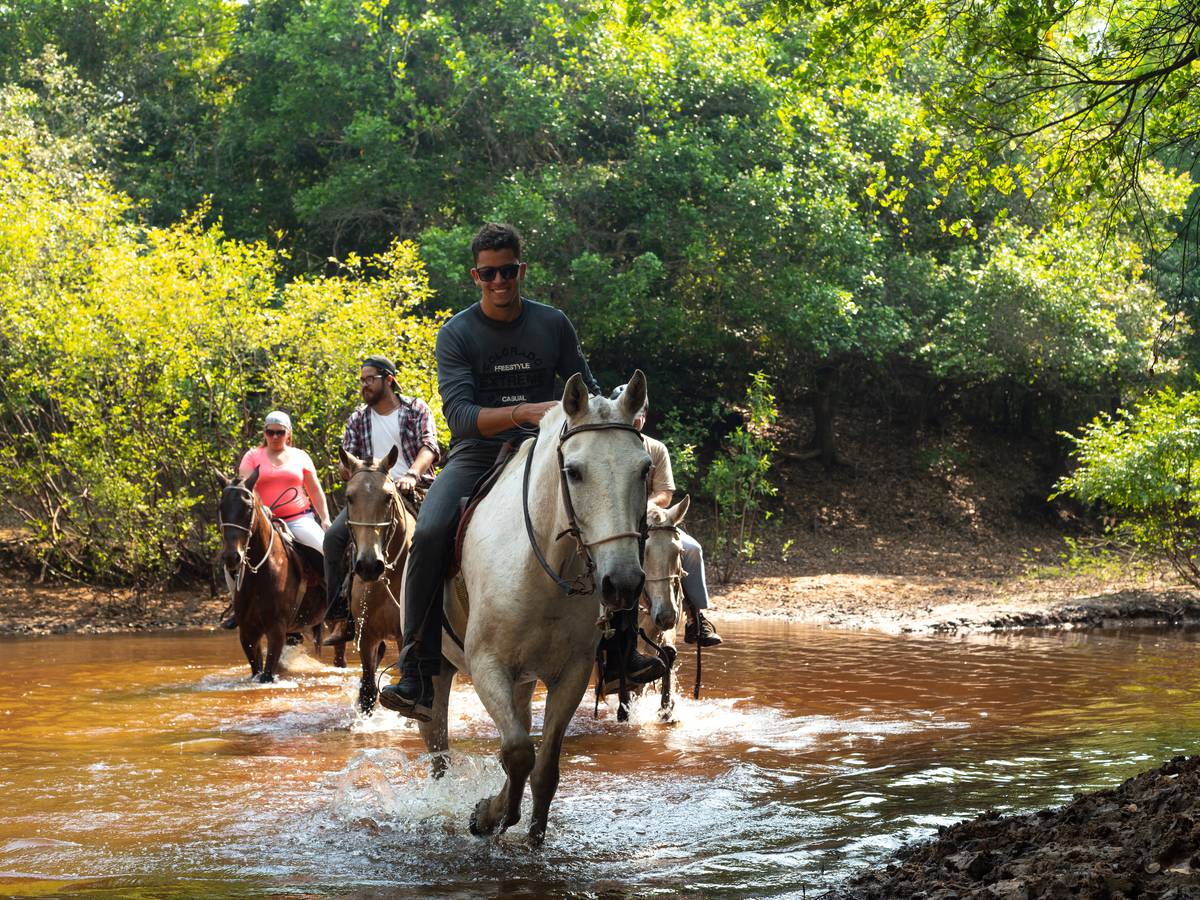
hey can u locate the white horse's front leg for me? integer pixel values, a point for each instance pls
(436, 732)
(494, 685)
(562, 699)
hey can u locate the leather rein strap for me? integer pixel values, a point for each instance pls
(586, 583)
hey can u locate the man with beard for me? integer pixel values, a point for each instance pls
(386, 419)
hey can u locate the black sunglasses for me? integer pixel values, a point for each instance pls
(506, 272)
(272, 432)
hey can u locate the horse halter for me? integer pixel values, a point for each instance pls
(676, 576)
(391, 525)
(244, 560)
(576, 585)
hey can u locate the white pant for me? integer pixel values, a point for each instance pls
(306, 531)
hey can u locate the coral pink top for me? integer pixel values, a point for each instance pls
(280, 487)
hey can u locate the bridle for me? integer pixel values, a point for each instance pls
(243, 557)
(391, 525)
(585, 583)
(676, 575)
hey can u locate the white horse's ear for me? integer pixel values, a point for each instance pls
(222, 479)
(349, 460)
(676, 513)
(251, 479)
(575, 396)
(633, 398)
(385, 464)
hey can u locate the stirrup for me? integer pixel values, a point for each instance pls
(341, 634)
(419, 708)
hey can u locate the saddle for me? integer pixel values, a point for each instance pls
(312, 563)
(468, 504)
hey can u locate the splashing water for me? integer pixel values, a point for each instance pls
(153, 763)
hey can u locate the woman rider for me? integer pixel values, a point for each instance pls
(287, 482)
(287, 485)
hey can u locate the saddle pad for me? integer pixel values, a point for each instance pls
(468, 504)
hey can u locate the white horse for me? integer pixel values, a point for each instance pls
(552, 550)
(663, 594)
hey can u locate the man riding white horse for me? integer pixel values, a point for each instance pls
(497, 363)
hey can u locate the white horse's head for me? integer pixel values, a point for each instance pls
(605, 470)
(664, 569)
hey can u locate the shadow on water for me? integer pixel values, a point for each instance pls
(149, 765)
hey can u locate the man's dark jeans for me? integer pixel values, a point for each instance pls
(429, 557)
(337, 537)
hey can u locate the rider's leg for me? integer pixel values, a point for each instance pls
(306, 531)
(428, 558)
(639, 668)
(333, 545)
(695, 593)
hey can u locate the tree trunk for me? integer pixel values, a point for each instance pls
(823, 405)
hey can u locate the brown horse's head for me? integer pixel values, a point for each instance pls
(235, 515)
(373, 512)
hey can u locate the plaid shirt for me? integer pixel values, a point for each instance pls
(417, 430)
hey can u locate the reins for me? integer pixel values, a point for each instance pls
(391, 525)
(676, 579)
(585, 583)
(389, 566)
(244, 563)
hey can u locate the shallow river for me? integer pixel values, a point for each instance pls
(149, 765)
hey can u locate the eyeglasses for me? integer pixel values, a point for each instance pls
(507, 272)
(275, 432)
(366, 380)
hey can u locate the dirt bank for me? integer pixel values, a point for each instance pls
(1141, 839)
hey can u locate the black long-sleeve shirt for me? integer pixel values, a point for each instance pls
(483, 362)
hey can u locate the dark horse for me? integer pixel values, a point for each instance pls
(273, 591)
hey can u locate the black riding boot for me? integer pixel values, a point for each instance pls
(412, 695)
(639, 668)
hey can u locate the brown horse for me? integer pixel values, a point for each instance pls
(381, 525)
(272, 592)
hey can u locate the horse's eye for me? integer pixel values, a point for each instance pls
(645, 471)
(573, 474)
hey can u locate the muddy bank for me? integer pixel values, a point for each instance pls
(27, 608)
(903, 602)
(923, 604)
(1141, 839)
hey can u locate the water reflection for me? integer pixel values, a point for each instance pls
(150, 762)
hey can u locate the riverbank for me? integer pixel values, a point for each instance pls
(945, 601)
(1140, 839)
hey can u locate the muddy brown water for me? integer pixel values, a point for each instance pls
(149, 765)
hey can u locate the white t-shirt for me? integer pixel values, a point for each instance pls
(385, 434)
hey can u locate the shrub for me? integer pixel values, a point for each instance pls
(1143, 465)
(134, 361)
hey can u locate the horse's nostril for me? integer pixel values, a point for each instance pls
(368, 570)
(666, 621)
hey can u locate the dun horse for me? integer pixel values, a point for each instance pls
(382, 526)
(272, 592)
(553, 549)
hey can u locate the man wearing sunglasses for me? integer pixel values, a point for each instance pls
(497, 364)
(386, 419)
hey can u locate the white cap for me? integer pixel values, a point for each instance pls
(278, 417)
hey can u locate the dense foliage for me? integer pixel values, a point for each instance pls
(134, 361)
(1143, 467)
(902, 203)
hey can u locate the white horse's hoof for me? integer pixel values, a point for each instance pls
(476, 828)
